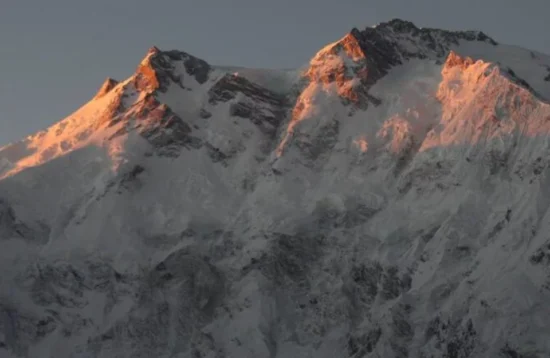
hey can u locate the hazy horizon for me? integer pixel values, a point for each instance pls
(56, 55)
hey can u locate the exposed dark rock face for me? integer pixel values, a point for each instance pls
(541, 256)
(261, 106)
(381, 54)
(12, 227)
(194, 66)
(161, 69)
(519, 81)
(167, 132)
(361, 346)
(159, 125)
(434, 36)
(365, 281)
(383, 50)
(453, 339)
(508, 352)
(192, 287)
(230, 85)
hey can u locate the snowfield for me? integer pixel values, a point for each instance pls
(389, 199)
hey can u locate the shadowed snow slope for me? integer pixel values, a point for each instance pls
(389, 199)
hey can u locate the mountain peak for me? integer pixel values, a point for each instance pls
(159, 68)
(106, 87)
(455, 59)
(399, 26)
(153, 50)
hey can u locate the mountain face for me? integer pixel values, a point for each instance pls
(388, 199)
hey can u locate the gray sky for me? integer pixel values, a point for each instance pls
(55, 54)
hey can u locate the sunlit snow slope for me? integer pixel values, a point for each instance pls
(388, 199)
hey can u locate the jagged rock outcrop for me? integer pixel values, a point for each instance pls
(107, 86)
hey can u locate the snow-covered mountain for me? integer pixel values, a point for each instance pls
(388, 199)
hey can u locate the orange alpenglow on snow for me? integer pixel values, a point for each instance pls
(106, 87)
(470, 107)
(337, 68)
(97, 119)
(361, 144)
(146, 76)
